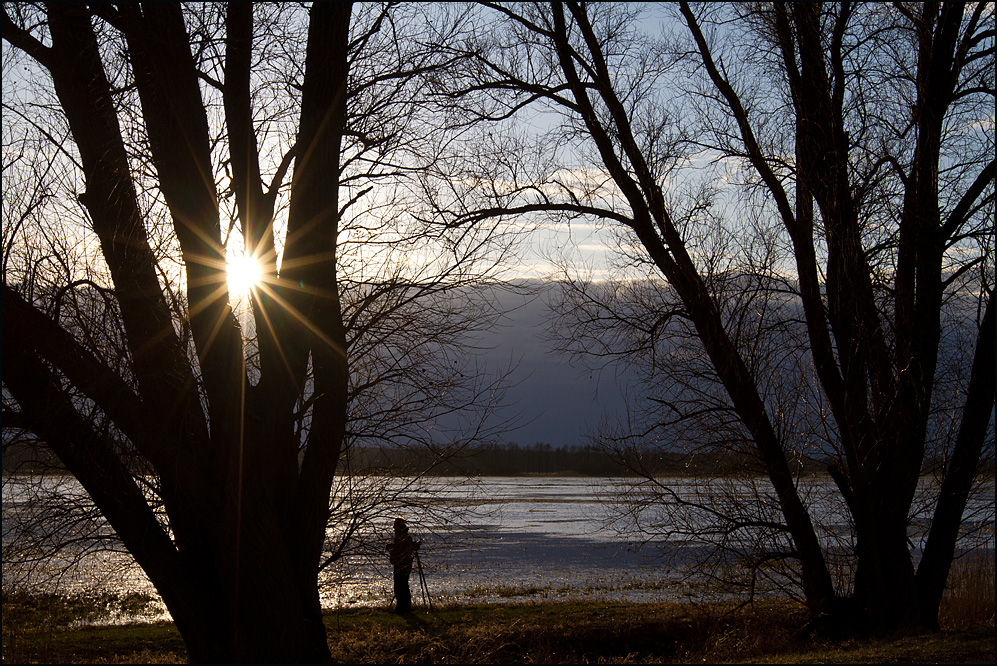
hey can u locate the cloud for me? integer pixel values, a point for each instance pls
(983, 124)
(593, 247)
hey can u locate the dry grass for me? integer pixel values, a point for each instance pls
(590, 632)
(969, 598)
(567, 632)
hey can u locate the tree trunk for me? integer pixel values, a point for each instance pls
(238, 568)
(664, 243)
(933, 570)
(266, 632)
(885, 589)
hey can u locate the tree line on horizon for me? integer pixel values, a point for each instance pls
(503, 459)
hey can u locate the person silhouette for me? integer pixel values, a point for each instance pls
(401, 551)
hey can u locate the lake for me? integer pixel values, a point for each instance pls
(523, 538)
(498, 539)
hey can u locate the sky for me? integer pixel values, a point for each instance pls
(557, 402)
(553, 400)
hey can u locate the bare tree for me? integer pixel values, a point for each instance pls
(879, 115)
(208, 429)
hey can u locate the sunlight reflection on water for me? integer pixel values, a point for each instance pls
(544, 538)
(531, 538)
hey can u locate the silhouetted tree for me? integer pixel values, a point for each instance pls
(208, 437)
(882, 117)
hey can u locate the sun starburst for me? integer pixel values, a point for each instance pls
(244, 274)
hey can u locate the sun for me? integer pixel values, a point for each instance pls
(243, 274)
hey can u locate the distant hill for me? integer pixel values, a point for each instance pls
(555, 401)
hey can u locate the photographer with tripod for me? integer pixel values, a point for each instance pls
(401, 551)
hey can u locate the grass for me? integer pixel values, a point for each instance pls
(546, 632)
(31, 609)
(969, 596)
(50, 628)
(562, 632)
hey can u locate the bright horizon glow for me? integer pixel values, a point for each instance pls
(244, 274)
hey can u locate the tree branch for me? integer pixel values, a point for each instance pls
(27, 42)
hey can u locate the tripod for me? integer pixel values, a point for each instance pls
(422, 583)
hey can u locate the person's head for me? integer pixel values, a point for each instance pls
(400, 525)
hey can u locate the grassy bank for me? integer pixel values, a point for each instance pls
(569, 632)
